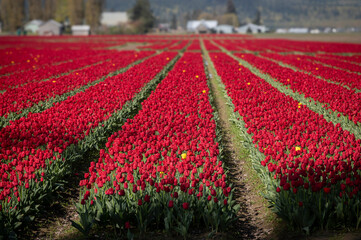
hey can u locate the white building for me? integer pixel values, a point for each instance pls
(33, 26)
(227, 29)
(112, 19)
(201, 26)
(298, 30)
(80, 30)
(281, 30)
(50, 28)
(251, 28)
(315, 31)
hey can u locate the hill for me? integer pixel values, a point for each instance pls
(275, 13)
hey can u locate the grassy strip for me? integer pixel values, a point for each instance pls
(239, 140)
(329, 115)
(243, 152)
(39, 193)
(43, 105)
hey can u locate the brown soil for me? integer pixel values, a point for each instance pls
(332, 37)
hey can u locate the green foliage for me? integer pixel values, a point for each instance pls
(230, 7)
(142, 16)
(61, 10)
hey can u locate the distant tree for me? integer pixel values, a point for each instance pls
(93, 10)
(76, 12)
(61, 10)
(206, 16)
(35, 9)
(230, 7)
(186, 18)
(258, 19)
(195, 14)
(174, 22)
(142, 16)
(228, 19)
(49, 10)
(13, 14)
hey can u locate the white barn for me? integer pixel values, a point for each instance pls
(227, 29)
(202, 26)
(298, 30)
(251, 28)
(112, 19)
(80, 30)
(50, 28)
(33, 26)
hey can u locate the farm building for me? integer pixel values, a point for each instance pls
(112, 19)
(80, 30)
(202, 26)
(228, 29)
(298, 30)
(33, 26)
(163, 27)
(251, 28)
(50, 28)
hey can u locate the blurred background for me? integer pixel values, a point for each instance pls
(84, 17)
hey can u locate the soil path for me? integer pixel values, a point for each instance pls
(254, 217)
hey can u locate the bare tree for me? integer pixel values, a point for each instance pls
(93, 10)
(13, 14)
(49, 9)
(76, 12)
(35, 9)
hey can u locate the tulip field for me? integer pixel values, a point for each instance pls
(144, 106)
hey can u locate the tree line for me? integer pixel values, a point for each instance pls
(14, 14)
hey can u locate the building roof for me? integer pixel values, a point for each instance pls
(35, 22)
(51, 22)
(80, 28)
(194, 24)
(224, 28)
(252, 25)
(113, 18)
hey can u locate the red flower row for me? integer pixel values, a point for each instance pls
(210, 46)
(179, 46)
(333, 96)
(23, 59)
(169, 146)
(350, 59)
(339, 63)
(160, 45)
(26, 96)
(46, 71)
(281, 45)
(302, 149)
(67, 122)
(195, 45)
(352, 80)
